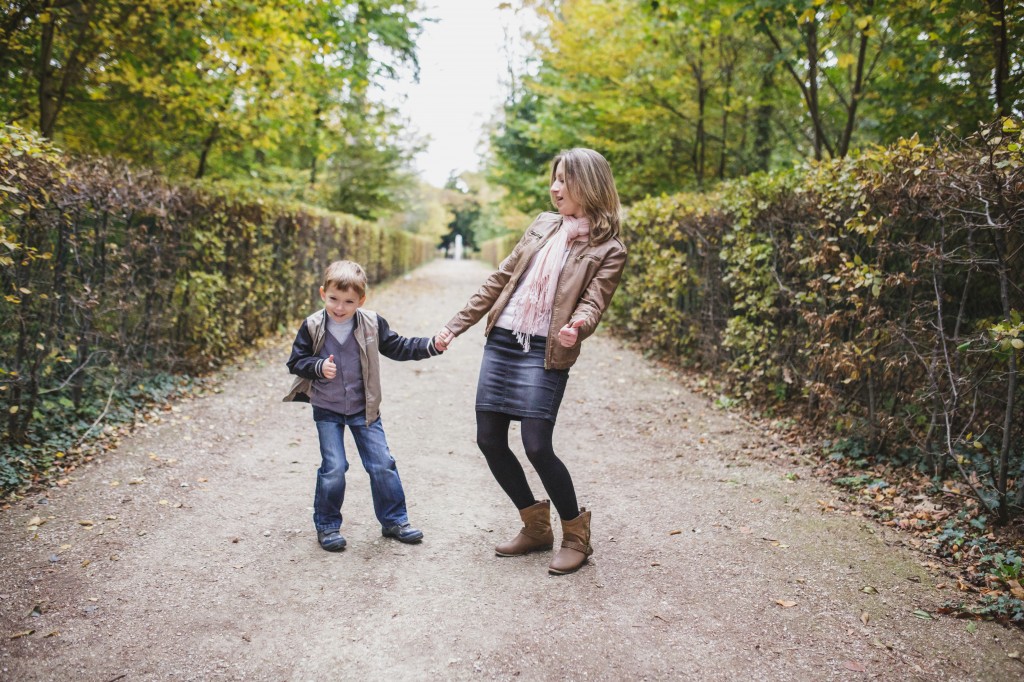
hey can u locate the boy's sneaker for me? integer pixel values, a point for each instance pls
(403, 533)
(331, 540)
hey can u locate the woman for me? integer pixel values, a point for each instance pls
(545, 298)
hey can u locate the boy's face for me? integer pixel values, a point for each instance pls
(341, 304)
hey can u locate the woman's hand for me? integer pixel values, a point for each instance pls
(443, 339)
(568, 334)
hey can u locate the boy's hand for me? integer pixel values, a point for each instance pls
(443, 339)
(568, 334)
(329, 369)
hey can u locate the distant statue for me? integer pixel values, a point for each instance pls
(458, 247)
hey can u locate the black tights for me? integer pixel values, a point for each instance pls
(492, 437)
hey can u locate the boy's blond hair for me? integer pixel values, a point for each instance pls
(345, 274)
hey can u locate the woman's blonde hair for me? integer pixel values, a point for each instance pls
(589, 181)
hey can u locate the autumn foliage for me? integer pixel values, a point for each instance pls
(880, 295)
(111, 275)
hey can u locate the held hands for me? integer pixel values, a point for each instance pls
(568, 334)
(329, 369)
(443, 339)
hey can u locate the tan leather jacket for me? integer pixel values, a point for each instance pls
(585, 287)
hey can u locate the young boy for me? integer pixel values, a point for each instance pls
(336, 356)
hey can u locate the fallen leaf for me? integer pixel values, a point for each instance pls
(1015, 655)
(86, 563)
(865, 617)
(86, 522)
(923, 615)
(1015, 589)
(674, 532)
(785, 603)
(51, 634)
(163, 501)
(867, 589)
(24, 633)
(35, 521)
(855, 667)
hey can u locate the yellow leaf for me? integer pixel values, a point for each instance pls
(785, 603)
(846, 61)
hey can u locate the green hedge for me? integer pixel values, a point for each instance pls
(881, 293)
(112, 276)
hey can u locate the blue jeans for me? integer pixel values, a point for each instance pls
(385, 486)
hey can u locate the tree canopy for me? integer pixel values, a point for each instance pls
(682, 93)
(219, 88)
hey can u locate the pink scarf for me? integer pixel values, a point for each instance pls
(538, 293)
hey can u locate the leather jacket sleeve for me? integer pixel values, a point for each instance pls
(481, 302)
(598, 293)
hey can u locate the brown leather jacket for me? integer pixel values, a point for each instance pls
(585, 287)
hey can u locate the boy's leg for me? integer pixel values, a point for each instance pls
(330, 477)
(385, 485)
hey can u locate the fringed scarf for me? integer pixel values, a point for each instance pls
(538, 288)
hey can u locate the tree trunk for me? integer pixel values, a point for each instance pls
(207, 146)
(763, 119)
(1001, 70)
(855, 94)
(45, 75)
(812, 87)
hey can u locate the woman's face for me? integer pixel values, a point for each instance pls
(560, 195)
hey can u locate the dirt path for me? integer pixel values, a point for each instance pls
(188, 553)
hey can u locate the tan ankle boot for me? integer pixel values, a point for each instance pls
(535, 535)
(575, 545)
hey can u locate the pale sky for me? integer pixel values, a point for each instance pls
(463, 82)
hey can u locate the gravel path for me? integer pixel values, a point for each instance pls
(188, 552)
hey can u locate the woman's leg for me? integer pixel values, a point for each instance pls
(492, 438)
(557, 482)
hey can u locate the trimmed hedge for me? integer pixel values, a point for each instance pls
(881, 293)
(493, 251)
(111, 275)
